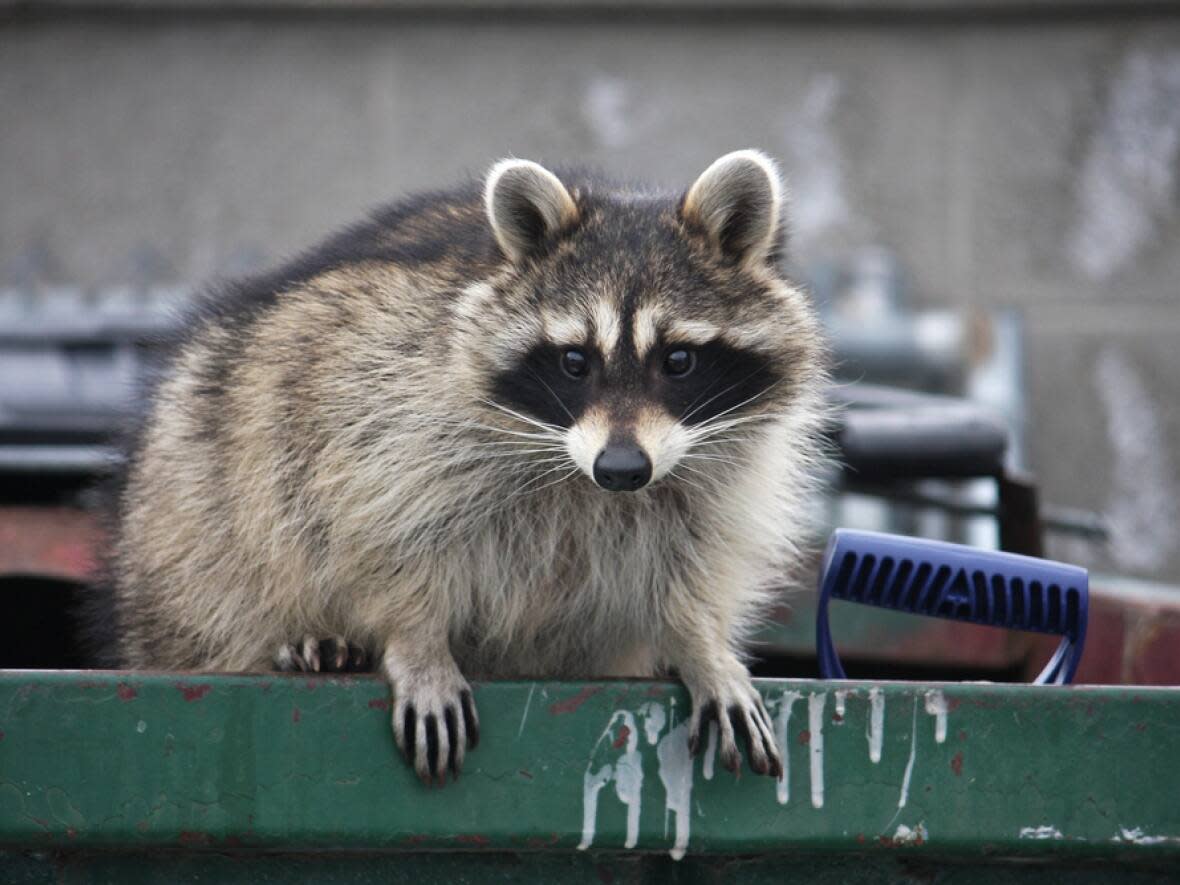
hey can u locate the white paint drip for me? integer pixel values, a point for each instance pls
(710, 752)
(909, 766)
(936, 707)
(876, 733)
(840, 696)
(654, 720)
(676, 775)
(905, 836)
(1041, 832)
(1142, 506)
(1136, 836)
(782, 720)
(629, 780)
(815, 724)
(592, 784)
(626, 772)
(525, 715)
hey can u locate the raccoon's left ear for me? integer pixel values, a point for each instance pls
(739, 202)
(526, 204)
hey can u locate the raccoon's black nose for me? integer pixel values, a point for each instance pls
(622, 468)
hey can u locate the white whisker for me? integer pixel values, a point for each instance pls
(686, 480)
(561, 478)
(554, 394)
(723, 392)
(525, 418)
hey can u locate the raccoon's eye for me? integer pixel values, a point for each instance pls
(574, 363)
(679, 361)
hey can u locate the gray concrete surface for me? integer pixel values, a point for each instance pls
(1031, 162)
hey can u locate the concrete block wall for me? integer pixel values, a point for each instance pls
(1024, 160)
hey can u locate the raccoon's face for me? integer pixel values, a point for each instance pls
(641, 337)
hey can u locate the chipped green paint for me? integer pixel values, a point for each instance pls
(243, 764)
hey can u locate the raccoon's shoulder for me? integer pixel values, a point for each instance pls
(426, 232)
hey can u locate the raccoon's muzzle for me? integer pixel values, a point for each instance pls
(622, 468)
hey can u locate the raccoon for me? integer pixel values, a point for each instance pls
(534, 427)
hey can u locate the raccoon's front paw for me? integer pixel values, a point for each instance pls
(335, 655)
(434, 721)
(736, 709)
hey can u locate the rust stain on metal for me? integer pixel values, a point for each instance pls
(126, 692)
(621, 740)
(295, 714)
(379, 704)
(474, 839)
(805, 737)
(193, 692)
(193, 837)
(957, 764)
(902, 841)
(570, 705)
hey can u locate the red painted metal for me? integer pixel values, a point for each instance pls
(55, 542)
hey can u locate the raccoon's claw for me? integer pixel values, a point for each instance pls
(745, 719)
(434, 729)
(335, 655)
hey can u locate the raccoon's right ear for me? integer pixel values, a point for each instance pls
(739, 202)
(526, 204)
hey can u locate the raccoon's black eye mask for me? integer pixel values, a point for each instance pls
(722, 378)
(693, 383)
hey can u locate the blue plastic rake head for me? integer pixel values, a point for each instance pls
(943, 580)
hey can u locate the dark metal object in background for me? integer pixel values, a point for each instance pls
(70, 366)
(890, 434)
(1021, 530)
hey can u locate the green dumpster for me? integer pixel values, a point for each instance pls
(122, 778)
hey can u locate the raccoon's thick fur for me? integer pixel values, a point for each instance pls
(539, 428)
